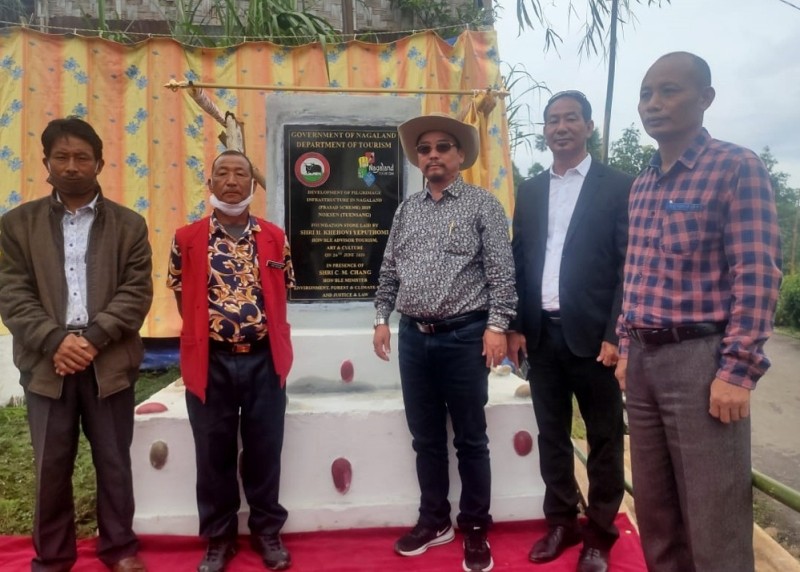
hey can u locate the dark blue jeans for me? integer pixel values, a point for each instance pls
(443, 373)
(243, 395)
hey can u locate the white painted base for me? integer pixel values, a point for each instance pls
(367, 428)
(10, 389)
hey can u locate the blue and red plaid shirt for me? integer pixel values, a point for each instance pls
(704, 246)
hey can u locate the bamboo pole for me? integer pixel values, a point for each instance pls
(176, 85)
(777, 490)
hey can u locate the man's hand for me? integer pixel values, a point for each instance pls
(516, 344)
(608, 355)
(619, 373)
(381, 341)
(728, 402)
(73, 355)
(494, 347)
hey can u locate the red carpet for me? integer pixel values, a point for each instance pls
(367, 550)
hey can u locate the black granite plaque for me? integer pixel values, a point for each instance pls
(343, 186)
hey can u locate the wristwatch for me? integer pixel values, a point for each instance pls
(380, 322)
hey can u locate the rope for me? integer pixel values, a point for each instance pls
(94, 32)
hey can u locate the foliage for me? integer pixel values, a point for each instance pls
(628, 154)
(518, 113)
(104, 30)
(14, 12)
(788, 313)
(518, 177)
(787, 201)
(226, 23)
(535, 169)
(440, 15)
(17, 470)
(596, 20)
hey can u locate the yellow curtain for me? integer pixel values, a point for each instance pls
(157, 143)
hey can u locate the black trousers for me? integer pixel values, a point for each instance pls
(55, 427)
(243, 394)
(556, 374)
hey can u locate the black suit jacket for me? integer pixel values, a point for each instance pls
(590, 288)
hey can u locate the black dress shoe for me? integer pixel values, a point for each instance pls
(218, 553)
(272, 551)
(550, 547)
(593, 560)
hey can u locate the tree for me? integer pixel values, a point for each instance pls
(787, 200)
(14, 12)
(628, 154)
(600, 13)
(447, 18)
(535, 169)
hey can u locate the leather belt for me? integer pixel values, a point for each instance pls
(238, 347)
(76, 331)
(553, 316)
(450, 324)
(677, 334)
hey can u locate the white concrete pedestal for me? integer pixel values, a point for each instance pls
(327, 419)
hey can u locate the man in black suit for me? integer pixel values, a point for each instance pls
(570, 235)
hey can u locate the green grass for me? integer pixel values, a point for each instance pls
(17, 472)
(788, 331)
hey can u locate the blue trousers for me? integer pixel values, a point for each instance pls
(243, 393)
(440, 374)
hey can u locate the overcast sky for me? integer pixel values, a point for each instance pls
(752, 47)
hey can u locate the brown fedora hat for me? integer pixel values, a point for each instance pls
(466, 135)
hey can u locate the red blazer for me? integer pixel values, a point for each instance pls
(192, 241)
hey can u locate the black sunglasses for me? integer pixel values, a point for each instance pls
(567, 93)
(441, 147)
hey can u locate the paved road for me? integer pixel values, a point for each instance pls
(776, 426)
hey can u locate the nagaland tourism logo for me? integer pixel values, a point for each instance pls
(368, 169)
(312, 169)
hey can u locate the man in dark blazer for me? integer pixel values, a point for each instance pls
(570, 235)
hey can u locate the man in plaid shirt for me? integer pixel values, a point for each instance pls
(701, 283)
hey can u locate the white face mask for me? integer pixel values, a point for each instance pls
(233, 209)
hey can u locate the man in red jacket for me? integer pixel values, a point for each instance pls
(230, 272)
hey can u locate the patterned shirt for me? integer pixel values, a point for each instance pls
(704, 246)
(76, 228)
(448, 257)
(235, 298)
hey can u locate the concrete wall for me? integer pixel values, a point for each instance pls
(372, 15)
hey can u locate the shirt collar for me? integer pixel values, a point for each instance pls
(453, 188)
(252, 225)
(690, 156)
(581, 168)
(91, 205)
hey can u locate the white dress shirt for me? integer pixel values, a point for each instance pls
(564, 191)
(76, 227)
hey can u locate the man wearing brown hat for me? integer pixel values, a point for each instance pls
(448, 271)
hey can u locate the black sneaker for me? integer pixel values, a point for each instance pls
(219, 552)
(421, 538)
(477, 554)
(272, 551)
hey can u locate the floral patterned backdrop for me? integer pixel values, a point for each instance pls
(157, 142)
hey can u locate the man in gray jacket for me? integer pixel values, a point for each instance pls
(75, 287)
